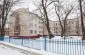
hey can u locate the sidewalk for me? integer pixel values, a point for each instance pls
(25, 50)
(7, 51)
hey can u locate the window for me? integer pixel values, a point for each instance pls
(17, 28)
(50, 23)
(40, 27)
(69, 32)
(56, 28)
(31, 24)
(35, 25)
(40, 22)
(31, 31)
(56, 24)
(72, 22)
(31, 18)
(69, 27)
(40, 31)
(35, 18)
(35, 31)
(56, 32)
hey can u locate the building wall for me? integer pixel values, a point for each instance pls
(73, 27)
(33, 24)
(30, 24)
(23, 15)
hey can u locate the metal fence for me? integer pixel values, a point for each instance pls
(68, 46)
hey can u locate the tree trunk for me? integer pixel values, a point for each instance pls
(83, 35)
(2, 34)
(47, 20)
(49, 32)
(61, 34)
(82, 24)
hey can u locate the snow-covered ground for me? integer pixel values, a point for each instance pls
(7, 51)
(71, 45)
(68, 37)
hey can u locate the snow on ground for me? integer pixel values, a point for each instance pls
(68, 37)
(57, 44)
(7, 51)
(72, 45)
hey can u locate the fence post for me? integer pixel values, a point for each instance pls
(22, 41)
(28, 42)
(9, 39)
(45, 43)
(41, 39)
(82, 47)
(1, 38)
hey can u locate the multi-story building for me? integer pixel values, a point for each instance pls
(73, 27)
(25, 23)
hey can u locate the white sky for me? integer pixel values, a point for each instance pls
(28, 4)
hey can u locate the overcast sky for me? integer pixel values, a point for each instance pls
(29, 4)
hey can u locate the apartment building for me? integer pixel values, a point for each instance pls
(73, 27)
(29, 24)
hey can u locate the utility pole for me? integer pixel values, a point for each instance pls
(82, 24)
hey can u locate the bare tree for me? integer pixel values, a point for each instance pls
(82, 22)
(43, 10)
(5, 8)
(62, 12)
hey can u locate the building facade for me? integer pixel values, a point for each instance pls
(25, 23)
